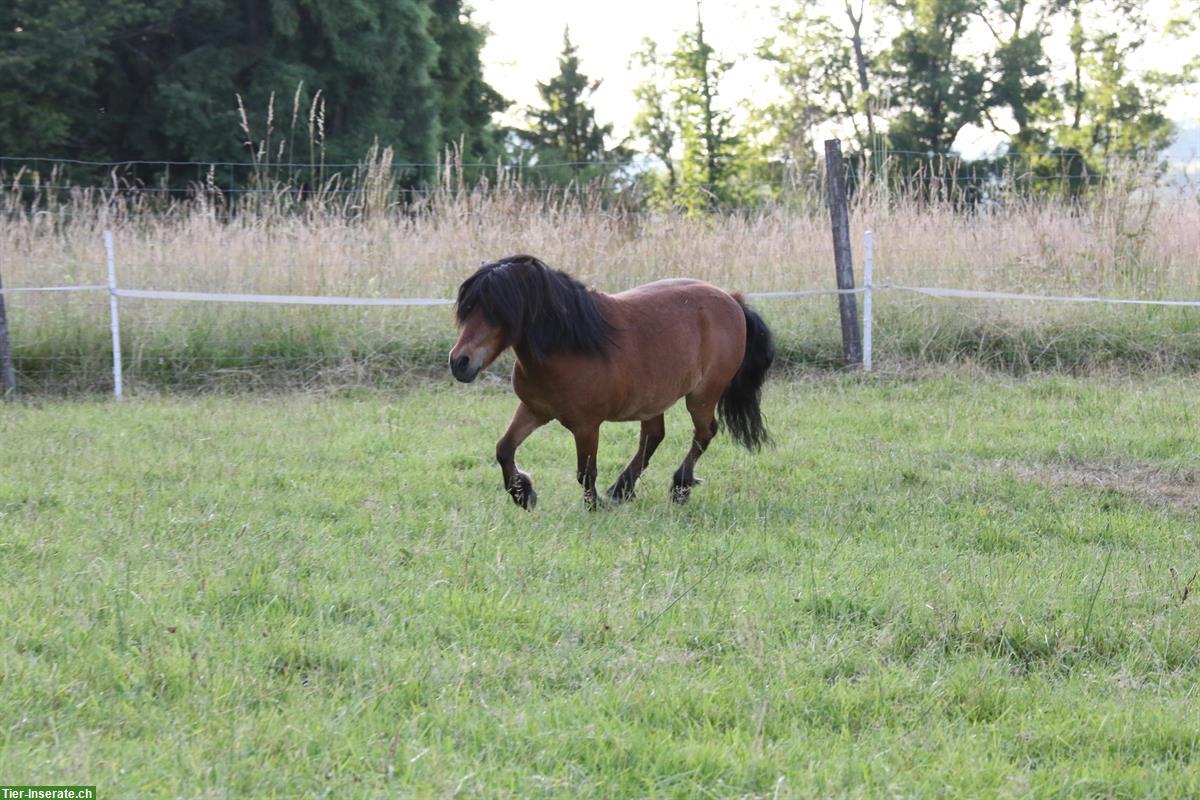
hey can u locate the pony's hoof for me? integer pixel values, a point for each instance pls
(682, 492)
(620, 492)
(522, 492)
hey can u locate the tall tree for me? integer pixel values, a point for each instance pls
(949, 63)
(1018, 68)
(466, 102)
(1106, 107)
(705, 129)
(683, 123)
(564, 130)
(371, 61)
(52, 56)
(655, 122)
(935, 89)
(817, 62)
(160, 79)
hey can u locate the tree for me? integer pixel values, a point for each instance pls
(372, 62)
(683, 125)
(1106, 108)
(1100, 106)
(161, 79)
(949, 63)
(1073, 118)
(704, 128)
(655, 121)
(816, 65)
(563, 133)
(466, 101)
(934, 89)
(52, 54)
(1018, 68)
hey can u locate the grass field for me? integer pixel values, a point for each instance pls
(961, 586)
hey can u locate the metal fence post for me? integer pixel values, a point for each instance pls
(116, 320)
(868, 284)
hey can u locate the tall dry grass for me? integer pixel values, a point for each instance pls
(1125, 239)
(1119, 241)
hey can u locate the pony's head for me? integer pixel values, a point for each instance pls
(520, 302)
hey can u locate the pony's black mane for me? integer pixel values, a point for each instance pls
(544, 310)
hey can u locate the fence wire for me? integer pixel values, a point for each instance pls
(158, 352)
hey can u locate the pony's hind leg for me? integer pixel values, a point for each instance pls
(518, 484)
(653, 432)
(704, 419)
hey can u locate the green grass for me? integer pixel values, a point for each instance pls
(330, 595)
(63, 347)
(66, 349)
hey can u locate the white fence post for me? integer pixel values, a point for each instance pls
(8, 375)
(868, 284)
(116, 321)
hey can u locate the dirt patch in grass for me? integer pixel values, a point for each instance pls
(1151, 485)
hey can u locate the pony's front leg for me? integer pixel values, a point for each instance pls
(517, 483)
(587, 442)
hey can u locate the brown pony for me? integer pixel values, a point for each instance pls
(585, 357)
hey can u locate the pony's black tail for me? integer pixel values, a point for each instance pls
(739, 406)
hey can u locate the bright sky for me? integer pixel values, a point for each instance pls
(527, 39)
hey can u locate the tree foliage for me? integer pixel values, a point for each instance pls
(934, 88)
(684, 124)
(705, 128)
(563, 132)
(468, 103)
(827, 67)
(223, 80)
(910, 75)
(655, 123)
(160, 79)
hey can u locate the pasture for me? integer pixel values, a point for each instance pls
(961, 586)
(1123, 242)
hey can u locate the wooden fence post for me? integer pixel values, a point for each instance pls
(835, 176)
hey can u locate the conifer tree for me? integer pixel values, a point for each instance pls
(705, 129)
(563, 133)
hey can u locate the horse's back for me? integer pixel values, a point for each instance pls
(667, 286)
(680, 337)
(676, 303)
(670, 339)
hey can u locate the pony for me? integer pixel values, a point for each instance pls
(584, 357)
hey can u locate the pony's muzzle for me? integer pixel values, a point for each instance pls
(462, 370)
